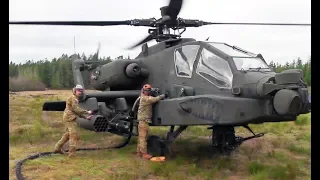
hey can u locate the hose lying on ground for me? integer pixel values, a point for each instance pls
(44, 154)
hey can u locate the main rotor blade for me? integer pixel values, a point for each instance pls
(73, 23)
(148, 38)
(258, 24)
(174, 8)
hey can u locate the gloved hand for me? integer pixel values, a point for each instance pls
(90, 112)
(89, 117)
(162, 96)
(166, 94)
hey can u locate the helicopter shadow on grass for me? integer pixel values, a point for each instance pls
(182, 147)
(190, 150)
(186, 150)
(199, 153)
(191, 153)
(199, 148)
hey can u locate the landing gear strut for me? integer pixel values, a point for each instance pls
(224, 139)
(161, 147)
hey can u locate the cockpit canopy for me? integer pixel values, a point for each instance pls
(243, 60)
(214, 67)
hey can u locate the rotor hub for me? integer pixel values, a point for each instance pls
(164, 10)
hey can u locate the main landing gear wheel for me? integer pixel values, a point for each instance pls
(224, 139)
(161, 146)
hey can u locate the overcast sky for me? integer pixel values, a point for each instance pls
(277, 43)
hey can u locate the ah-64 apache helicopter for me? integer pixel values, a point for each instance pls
(206, 83)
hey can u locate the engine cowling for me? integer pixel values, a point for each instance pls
(118, 75)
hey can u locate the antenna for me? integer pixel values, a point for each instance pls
(74, 43)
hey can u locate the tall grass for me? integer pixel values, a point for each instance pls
(283, 153)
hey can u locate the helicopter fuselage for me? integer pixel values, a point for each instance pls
(207, 84)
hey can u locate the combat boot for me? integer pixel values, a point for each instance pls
(139, 154)
(146, 156)
(72, 150)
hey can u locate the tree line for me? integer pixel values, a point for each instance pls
(295, 64)
(57, 73)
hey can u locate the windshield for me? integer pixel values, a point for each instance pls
(214, 69)
(244, 60)
(250, 64)
(184, 58)
(230, 50)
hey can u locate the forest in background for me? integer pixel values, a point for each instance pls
(57, 73)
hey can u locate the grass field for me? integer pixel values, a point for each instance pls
(283, 153)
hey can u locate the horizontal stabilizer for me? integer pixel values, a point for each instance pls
(54, 106)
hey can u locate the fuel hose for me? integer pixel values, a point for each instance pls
(46, 154)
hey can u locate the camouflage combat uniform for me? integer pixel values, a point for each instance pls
(144, 117)
(71, 112)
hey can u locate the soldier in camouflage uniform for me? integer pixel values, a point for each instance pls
(71, 112)
(144, 117)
